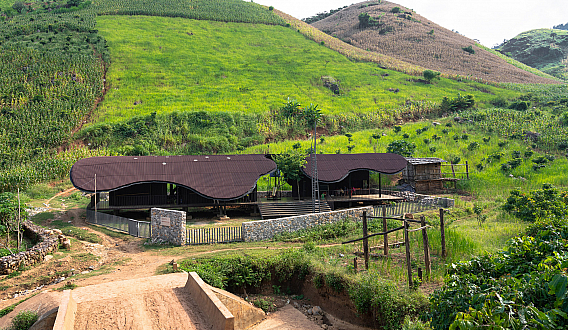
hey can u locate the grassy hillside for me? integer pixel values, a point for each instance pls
(544, 49)
(172, 64)
(398, 32)
(174, 85)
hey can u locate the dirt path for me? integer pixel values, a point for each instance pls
(158, 302)
(141, 306)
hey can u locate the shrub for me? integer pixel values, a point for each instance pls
(472, 146)
(432, 149)
(405, 135)
(458, 103)
(402, 147)
(430, 75)
(24, 320)
(486, 139)
(396, 10)
(520, 105)
(537, 204)
(455, 160)
(518, 285)
(469, 49)
(397, 128)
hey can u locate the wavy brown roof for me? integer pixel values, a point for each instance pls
(334, 168)
(223, 177)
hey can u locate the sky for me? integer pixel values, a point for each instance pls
(489, 21)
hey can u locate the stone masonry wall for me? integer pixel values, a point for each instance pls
(168, 226)
(266, 229)
(48, 242)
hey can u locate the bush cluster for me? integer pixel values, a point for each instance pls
(520, 287)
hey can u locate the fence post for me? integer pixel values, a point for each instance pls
(385, 236)
(426, 247)
(407, 246)
(443, 233)
(467, 169)
(365, 240)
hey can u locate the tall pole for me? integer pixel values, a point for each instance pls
(96, 198)
(19, 220)
(315, 180)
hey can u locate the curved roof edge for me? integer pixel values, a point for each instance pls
(336, 167)
(221, 177)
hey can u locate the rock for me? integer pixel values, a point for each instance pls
(85, 272)
(48, 257)
(435, 123)
(310, 311)
(317, 310)
(341, 255)
(91, 268)
(66, 244)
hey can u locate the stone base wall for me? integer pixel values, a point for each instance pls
(168, 226)
(48, 243)
(267, 229)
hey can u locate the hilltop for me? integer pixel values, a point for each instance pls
(393, 30)
(544, 49)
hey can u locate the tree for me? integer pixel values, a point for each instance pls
(401, 147)
(73, 3)
(18, 6)
(430, 75)
(290, 165)
(8, 215)
(365, 20)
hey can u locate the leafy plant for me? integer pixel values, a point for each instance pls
(24, 320)
(430, 75)
(401, 147)
(469, 49)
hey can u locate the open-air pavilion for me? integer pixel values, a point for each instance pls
(345, 179)
(143, 182)
(183, 182)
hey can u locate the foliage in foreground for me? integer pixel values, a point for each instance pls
(23, 321)
(538, 204)
(369, 293)
(523, 286)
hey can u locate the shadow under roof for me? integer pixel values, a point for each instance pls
(336, 167)
(222, 177)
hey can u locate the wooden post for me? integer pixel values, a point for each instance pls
(355, 264)
(420, 273)
(443, 233)
(466, 170)
(380, 187)
(385, 236)
(426, 247)
(407, 246)
(365, 240)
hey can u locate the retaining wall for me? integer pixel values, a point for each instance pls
(267, 229)
(48, 242)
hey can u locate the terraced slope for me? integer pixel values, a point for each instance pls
(398, 32)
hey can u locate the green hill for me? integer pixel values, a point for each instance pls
(544, 49)
(200, 76)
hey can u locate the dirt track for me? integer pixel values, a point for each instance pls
(105, 303)
(159, 302)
